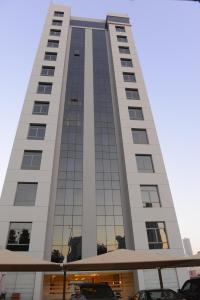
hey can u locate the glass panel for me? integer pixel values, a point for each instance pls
(140, 136)
(25, 194)
(57, 235)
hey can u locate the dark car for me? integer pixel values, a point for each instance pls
(96, 291)
(191, 289)
(157, 294)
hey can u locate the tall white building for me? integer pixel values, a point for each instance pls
(86, 174)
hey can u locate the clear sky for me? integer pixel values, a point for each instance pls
(167, 36)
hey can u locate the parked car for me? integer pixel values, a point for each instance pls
(191, 289)
(96, 291)
(157, 294)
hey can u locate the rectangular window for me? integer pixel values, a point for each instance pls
(132, 94)
(25, 194)
(120, 28)
(55, 32)
(56, 22)
(140, 136)
(150, 196)
(31, 160)
(47, 71)
(124, 50)
(121, 38)
(135, 113)
(44, 88)
(52, 56)
(144, 163)
(19, 236)
(125, 62)
(157, 236)
(40, 108)
(58, 14)
(36, 131)
(52, 43)
(76, 52)
(129, 77)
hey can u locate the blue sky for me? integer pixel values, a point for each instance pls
(166, 33)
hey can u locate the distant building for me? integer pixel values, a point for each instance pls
(86, 174)
(187, 246)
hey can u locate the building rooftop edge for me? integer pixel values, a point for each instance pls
(87, 19)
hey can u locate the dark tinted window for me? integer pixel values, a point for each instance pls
(52, 44)
(135, 113)
(31, 160)
(44, 88)
(121, 38)
(47, 71)
(55, 32)
(120, 28)
(40, 108)
(132, 94)
(57, 23)
(124, 50)
(126, 62)
(52, 56)
(36, 131)
(58, 13)
(129, 77)
(25, 193)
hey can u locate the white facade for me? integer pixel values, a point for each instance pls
(42, 213)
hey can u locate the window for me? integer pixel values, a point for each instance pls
(129, 77)
(121, 38)
(47, 71)
(40, 108)
(58, 14)
(36, 131)
(124, 50)
(76, 52)
(132, 94)
(144, 163)
(19, 236)
(52, 43)
(55, 32)
(140, 136)
(26, 193)
(44, 88)
(120, 28)
(150, 195)
(157, 237)
(56, 22)
(126, 62)
(135, 113)
(31, 160)
(52, 56)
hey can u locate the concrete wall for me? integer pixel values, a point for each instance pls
(37, 214)
(140, 215)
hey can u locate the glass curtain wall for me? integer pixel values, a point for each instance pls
(67, 237)
(110, 229)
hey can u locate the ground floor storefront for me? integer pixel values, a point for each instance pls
(122, 283)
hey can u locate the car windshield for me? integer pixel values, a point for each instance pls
(164, 295)
(96, 291)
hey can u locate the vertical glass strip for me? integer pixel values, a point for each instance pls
(67, 237)
(110, 228)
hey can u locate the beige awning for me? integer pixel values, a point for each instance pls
(123, 259)
(11, 261)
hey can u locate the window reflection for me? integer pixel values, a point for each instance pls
(67, 236)
(108, 196)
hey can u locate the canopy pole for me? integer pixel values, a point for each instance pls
(160, 278)
(64, 284)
